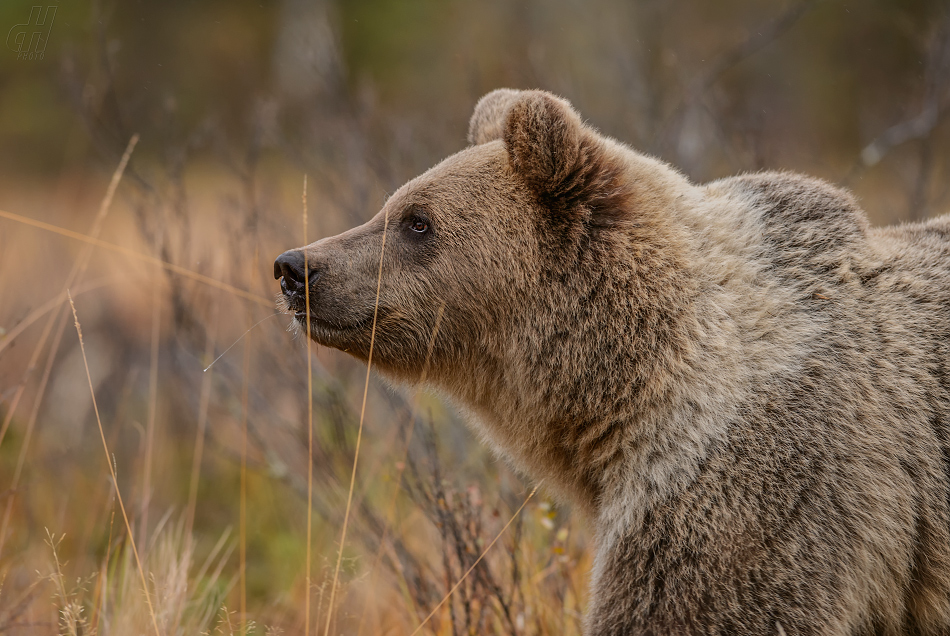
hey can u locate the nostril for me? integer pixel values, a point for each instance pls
(291, 274)
(290, 265)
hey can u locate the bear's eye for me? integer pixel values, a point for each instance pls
(418, 225)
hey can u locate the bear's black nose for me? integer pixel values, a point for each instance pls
(290, 265)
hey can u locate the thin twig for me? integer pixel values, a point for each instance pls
(935, 107)
(477, 561)
(762, 37)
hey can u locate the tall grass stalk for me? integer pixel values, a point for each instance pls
(115, 481)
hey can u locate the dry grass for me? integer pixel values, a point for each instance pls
(391, 542)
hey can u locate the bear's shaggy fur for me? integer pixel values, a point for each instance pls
(741, 384)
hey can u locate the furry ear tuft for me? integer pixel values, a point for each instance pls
(545, 139)
(491, 112)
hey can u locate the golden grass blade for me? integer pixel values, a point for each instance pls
(210, 559)
(359, 432)
(309, 560)
(477, 561)
(115, 481)
(113, 185)
(146, 258)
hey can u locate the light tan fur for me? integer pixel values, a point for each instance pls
(741, 384)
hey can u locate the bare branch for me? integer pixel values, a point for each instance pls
(936, 102)
(917, 128)
(751, 45)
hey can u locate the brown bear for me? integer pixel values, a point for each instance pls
(743, 386)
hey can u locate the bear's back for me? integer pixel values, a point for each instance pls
(807, 225)
(815, 236)
(922, 252)
(913, 275)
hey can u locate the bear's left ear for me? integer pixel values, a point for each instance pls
(547, 144)
(491, 112)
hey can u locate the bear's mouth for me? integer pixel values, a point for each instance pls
(320, 326)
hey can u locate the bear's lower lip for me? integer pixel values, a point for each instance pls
(319, 323)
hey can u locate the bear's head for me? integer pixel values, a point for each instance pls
(520, 272)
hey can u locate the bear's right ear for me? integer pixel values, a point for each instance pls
(545, 141)
(491, 112)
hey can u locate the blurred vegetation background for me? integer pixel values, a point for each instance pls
(234, 102)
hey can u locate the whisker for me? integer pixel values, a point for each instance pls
(239, 339)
